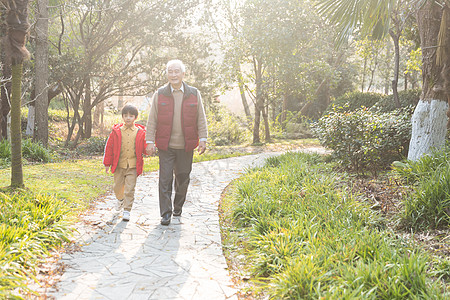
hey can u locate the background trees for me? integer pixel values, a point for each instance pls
(282, 56)
(429, 120)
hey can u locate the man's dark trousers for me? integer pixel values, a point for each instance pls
(178, 162)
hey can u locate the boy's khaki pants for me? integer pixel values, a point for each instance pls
(124, 184)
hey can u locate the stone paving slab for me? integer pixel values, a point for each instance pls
(142, 259)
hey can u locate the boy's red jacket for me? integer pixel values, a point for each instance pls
(114, 142)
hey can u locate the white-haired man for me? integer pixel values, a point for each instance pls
(176, 126)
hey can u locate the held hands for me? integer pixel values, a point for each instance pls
(150, 149)
(201, 147)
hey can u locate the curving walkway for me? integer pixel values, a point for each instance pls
(142, 259)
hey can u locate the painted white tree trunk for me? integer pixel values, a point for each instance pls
(429, 126)
(30, 121)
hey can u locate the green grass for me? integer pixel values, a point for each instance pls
(305, 237)
(428, 207)
(30, 225)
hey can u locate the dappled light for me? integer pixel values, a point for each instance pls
(316, 133)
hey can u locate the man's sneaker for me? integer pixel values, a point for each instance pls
(165, 220)
(119, 204)
(126, 215)
(177, 213)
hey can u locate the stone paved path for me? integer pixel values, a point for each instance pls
(142, 259)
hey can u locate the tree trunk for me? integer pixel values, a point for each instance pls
(364, 75)
(41, 73)
(87, 112)
(6, 74)
(16, 131)
(259, 104)
(265, 114)
(386, 79)
(256, 123)
(395, 39)
(284, 111)
(243, 97)
(5, 97)
(30, 120)
(18, 27)
(406, 81)
(429, 120)
(98, 114)
(120, 102)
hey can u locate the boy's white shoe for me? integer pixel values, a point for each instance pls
(126, 215)
(119, 204)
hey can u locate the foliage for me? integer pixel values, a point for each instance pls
(370, 52)
(92, 146)
(355, 100)
(280, 50)
(31, 225)
(57, 104)
(30, 150)
(429, 205)
(375, 101)
(295, 126)
(408, 98)
(224, 128)
(414, 62)
(102, 49)
(364, 140)
(303, 237)
(56, 115)
(36, 151)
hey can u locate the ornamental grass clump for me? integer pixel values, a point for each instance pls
(308, 237)
(30, 226)
(429, 205)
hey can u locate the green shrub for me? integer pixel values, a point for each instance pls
(429, 205)
(58, 115)
(355, 100)
(92, 146)
(408, 98)
(364, 140)
(30, 150)
(5, 149)
(33, 151)
(295, 126)
(57, 103)
(224, 128)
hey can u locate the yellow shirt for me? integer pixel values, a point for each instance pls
(127, 157)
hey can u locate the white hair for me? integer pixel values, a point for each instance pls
(176, 62)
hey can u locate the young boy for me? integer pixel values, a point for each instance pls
(124, 152)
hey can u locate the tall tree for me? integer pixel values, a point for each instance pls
(429, 119)
(41, 73)
(105, 47)
(18, 26)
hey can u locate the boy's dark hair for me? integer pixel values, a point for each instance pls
(131, 109)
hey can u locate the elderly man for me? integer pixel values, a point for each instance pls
(176, 126)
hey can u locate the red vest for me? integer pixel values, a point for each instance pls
(188, 117)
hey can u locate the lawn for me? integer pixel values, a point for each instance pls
(297, 228)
